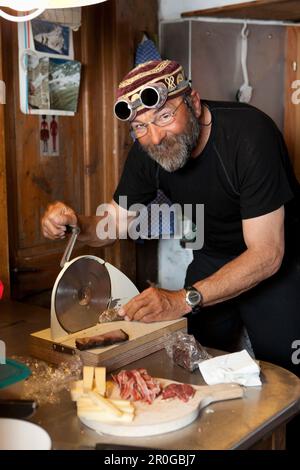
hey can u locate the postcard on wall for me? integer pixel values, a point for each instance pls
(49, 77)
(53, 84)
(51, 38)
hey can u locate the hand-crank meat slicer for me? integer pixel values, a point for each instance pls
(86, 289)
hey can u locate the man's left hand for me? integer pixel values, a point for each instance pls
(155, 304)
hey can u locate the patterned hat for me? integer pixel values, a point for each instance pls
(168, 72)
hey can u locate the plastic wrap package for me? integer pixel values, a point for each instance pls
(185, 351)
(47, 380)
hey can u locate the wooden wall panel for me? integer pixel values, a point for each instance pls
(133, 18)
(4, 258)
(35, 180)
(112, 32)
(93, 145)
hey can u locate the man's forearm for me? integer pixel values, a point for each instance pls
(238, 276)
(88, 231)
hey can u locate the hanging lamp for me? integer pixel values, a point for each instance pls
(39, 6)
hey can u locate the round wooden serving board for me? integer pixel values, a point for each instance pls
(164, 416)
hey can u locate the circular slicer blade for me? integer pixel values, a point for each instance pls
(83, 292)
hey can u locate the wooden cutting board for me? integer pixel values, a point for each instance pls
(144, 339)
(164, 416)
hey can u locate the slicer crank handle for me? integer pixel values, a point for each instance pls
(69, 248)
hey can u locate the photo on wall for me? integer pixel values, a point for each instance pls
(64, 84)
(53, 83)
(49, 77)
(51, 38)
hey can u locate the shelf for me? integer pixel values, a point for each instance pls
(280, 10)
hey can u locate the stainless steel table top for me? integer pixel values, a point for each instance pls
(234, 424)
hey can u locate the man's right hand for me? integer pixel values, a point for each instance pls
(55, 220)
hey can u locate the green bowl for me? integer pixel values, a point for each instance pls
(12, 376)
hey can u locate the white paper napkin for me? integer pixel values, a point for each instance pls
(237, 367)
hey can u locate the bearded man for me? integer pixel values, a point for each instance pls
(231, 158)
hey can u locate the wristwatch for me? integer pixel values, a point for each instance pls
(193, 298)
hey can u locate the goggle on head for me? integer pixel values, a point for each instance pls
(150, 96)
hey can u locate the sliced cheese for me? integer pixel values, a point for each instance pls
(76, 390)
(104, 416)
(119, 402)
(100, 380)
(104, 402)
(124, 405)
(88, 378)
(109, 388)
(96, 409)
(86, 402)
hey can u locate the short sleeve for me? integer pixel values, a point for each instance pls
(138, 181)
(263, 181)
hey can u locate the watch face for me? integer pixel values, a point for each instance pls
(193, 298)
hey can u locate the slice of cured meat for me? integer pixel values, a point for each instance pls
(137, 384)
(106, 339)
(182, 391)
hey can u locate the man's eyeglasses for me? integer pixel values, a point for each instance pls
(163, 118)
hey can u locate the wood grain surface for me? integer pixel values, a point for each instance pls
(144, 339)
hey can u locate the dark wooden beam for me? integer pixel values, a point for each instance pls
(286, 10)
(4, 258)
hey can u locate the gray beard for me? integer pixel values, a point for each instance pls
(175, 150)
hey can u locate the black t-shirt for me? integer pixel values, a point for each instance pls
(240, 174)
